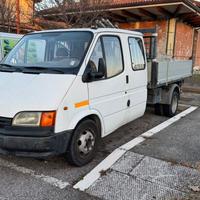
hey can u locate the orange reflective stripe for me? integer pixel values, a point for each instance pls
(81, 104)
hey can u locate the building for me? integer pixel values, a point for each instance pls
(177, 23)
(25, 10)
(19, 15)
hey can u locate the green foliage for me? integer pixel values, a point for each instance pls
(8, 44)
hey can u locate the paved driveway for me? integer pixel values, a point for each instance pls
(165, 166)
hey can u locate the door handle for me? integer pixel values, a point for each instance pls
(128, 103)
(127, 79)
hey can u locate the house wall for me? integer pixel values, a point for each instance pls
(172, 42)
(26, 9)
(183, 41)
(161, 27)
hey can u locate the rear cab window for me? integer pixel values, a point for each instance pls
(137, 53)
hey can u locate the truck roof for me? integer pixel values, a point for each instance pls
(11, 35)
(98, 30)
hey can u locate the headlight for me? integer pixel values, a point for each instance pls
(34, 119)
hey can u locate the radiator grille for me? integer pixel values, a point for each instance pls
(4, 122)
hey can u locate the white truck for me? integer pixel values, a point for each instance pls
(63, 90)
(7, 42)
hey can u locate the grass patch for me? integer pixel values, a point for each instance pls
(196, 78)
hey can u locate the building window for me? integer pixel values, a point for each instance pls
(171, 37)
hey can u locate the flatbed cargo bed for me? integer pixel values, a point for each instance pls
(165, 72)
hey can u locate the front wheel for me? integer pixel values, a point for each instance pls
(171, 109)
(84, 143)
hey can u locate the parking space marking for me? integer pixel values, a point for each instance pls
(47, 179)
(95, 174)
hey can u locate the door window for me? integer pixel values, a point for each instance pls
(113, 55)
(96, 55)
(109, 48)
(137, 53)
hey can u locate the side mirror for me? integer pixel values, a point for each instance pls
(91, 72)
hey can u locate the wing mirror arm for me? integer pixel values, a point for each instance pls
(101, 68)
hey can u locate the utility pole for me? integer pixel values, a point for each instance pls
(17, 16)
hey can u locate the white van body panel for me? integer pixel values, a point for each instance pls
(137, 87)
(32, 92)
(76, 94)
(109, 100)
(68, 119)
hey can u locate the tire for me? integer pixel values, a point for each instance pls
(158, 109)
(171, 109)
(84, 143)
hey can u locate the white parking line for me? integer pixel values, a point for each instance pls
(47, 179)
(93, 175)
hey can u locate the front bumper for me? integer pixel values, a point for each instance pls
(31, 142)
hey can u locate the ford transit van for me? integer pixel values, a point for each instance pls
(63, 90)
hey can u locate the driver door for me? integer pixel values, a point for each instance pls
(107, 95)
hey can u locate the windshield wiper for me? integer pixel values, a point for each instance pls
(6, 65)
(42, 69)
(9, 68)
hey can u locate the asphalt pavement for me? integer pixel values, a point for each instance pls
(165, 166)
(179, 143)
(17, 186)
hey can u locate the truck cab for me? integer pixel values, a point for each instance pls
(63, 90)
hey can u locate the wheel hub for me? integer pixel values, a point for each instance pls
(86, 142)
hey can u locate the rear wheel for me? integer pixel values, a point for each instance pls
(171, 109)
(84, 143)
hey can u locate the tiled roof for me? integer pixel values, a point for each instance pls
(115, 2)
(118, 3)
(37, 1)
(192, 15)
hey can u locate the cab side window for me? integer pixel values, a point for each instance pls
(113, 55)
(108, 48)
(96, 55)
(137, 53)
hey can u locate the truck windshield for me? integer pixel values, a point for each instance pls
(61, 51)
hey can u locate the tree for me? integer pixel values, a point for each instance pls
(74, 13)
(7, 15)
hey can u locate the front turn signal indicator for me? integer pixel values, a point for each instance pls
(48, 119)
